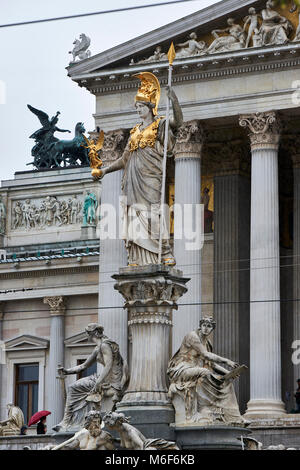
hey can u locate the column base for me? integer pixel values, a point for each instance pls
(264, 409)
(152, 420)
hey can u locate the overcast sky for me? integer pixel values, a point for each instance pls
(33, 60)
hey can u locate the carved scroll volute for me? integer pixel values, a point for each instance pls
(265, 129)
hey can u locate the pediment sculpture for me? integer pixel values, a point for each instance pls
(265, 28)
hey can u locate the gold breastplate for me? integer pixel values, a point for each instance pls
(143, 138)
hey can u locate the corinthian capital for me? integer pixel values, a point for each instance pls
(264, 129)
(56, 304)
(189, 140)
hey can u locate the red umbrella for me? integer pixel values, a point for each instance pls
(37, 416)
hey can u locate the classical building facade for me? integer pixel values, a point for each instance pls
(236, 77)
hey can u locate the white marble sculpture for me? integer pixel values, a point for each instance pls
(142, 179)
(201, 389)
(15, 420)
(131, 437)
(265, 28)
(102, 390)
(191, 47)
(234, 40)
(50, 211)
(253, 30)
(90, 437)
(81, 48)
(275, 28)
(157, 56)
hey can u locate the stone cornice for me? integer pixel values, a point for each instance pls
(203, 18)
(20, 274)
(215, 66)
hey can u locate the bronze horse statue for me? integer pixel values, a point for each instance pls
(70, 152)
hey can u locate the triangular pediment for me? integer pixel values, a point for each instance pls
(26, 342)
(81, 339)
(203, 23)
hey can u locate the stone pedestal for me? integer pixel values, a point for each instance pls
(265, 346)
(56, 357)
(88, 232)
(187, 154)
(151, 294)
(210, 437)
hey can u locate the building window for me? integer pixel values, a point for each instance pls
(27, 389)
(87, 372)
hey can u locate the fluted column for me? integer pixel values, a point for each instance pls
(1, 355)
(112, 250)
(187, 154)
(265, 348)
(296, 254)
(56, 357)
(231, 255)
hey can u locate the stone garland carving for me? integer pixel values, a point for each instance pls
(260, 29)
(131, 437)
(81, 48)
(100, 391)
(51, 212)
(2, 217)
(201, 389)
(264, 128)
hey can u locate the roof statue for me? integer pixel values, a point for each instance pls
(50, 152)
(81, 48)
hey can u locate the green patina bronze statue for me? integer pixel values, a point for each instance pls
(89, 209)
(50, 152)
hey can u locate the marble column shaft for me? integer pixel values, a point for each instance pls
(56, 357)
(112, 252)
(187, 154)
(296, 260)
(231, 272)
(265, 340)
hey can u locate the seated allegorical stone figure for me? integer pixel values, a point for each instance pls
(101, 391)
(13, 424)
(201, 389)
(131, 437)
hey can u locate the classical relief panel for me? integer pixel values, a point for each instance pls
(51, 211)
(267, 27)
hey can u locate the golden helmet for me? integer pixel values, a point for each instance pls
(149, 90)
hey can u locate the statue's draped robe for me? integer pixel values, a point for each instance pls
(77, 405)
(141, 186)
(16, 421)
(197, 381)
